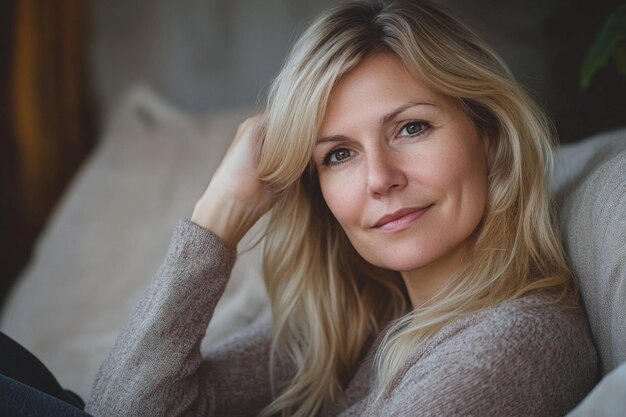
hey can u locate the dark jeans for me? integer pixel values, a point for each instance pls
(28, 388)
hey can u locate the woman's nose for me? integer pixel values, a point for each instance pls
(384, 173)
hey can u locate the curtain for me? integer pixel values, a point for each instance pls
(47, 121)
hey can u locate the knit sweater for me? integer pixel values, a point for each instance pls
(515, 359)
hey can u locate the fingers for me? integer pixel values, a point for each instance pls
(235, 198)
(249, 138)
(253, 125)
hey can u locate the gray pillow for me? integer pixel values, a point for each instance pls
(608, 398)
(590, 188)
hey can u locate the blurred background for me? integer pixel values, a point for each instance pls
(65, 64)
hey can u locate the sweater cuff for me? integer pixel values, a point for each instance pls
(195, 253)
(190, 237)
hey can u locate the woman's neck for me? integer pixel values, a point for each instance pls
(425, 283)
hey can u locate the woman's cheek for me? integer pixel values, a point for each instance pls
(341, 194)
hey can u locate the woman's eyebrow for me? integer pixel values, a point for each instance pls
(386, 118)
(334, 138)
(389, 116)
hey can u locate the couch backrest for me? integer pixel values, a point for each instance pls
(590, 188)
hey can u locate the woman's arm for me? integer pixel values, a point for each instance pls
(156, 368)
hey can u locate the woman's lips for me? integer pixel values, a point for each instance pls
(400, 219)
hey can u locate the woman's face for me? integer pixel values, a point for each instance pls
(402, 168)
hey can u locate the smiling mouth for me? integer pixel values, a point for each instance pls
(400, 219)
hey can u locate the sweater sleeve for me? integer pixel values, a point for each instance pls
(156, 367)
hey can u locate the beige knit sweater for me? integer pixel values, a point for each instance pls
(506, 361)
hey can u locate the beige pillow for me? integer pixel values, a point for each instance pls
(110, 233)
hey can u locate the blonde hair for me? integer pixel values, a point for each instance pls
(328, 303)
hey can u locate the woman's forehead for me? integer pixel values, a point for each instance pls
(380, 84)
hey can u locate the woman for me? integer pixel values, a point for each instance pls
(411, 260)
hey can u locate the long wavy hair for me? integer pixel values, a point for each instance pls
(328, 303)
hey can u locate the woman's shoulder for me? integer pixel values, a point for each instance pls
(532, 327)
(539, 320)
(531, 315)
(530, 355)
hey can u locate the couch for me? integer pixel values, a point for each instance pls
(110, 232)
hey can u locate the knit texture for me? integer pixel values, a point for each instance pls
(593, 220)
(521, 358)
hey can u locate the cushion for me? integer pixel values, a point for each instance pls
(608, 398)
(590, 188)
(110, 233)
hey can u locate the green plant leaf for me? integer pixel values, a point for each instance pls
(613, 30)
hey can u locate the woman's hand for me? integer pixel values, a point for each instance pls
(235, 198)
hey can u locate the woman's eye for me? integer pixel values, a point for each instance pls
(337, 156)
(413, 128)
